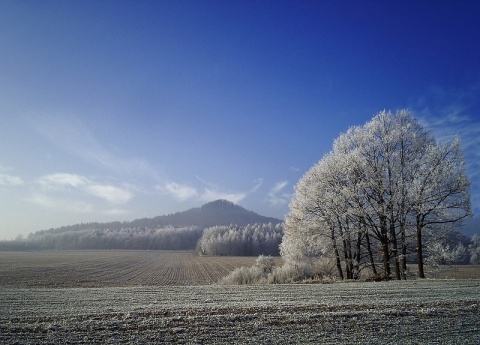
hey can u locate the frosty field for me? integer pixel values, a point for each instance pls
(113, 268)
(407, 312)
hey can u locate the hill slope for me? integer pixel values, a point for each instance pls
(179, 231)
(219, 212)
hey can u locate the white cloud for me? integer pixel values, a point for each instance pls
(9, 180)
(70, 134)
(61, 205)
(257, 185)
(211, 192)
(276, 196)
(112, 194)
(63, 179)
(181, 192)
(211, 195)
(72, 206)
(108, 192)
(468, 131)
(452, 113)
(115, 212)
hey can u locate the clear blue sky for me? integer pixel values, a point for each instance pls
(117, 110)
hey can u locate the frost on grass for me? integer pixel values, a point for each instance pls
(417, 312)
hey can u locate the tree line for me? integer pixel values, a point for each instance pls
(256, 239)
(252, 239)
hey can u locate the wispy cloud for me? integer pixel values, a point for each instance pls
(455, 113)
(211, 195)
(70, 134)
(181, 192)
(468, 131)
(257, 185)
(61, 204)
(277, 195)
(211, 192)
(115, 212)
(295, 169)
(63, 181)
(9, 180)
(112, 194)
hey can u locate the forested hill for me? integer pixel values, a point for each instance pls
(219, 212)
(179, 231)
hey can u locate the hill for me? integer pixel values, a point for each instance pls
(178, 231)
(219, 212)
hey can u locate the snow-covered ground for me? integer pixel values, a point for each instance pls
(406, 312)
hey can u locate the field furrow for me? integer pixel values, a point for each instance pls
(412, 312)
(151, 297)
(113, 268)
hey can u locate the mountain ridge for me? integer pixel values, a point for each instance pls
(218, 212)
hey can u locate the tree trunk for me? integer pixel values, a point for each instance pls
(358, 256)
(369, 247)
(404, 250)
(394, 249)
(421, 272)
(385, 250)
(370, 254)
(347, 251)
(348, 258)
(337, 256)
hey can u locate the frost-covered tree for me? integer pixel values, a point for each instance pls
(474, 249)
(440, 192)
(89, 237)
(249, 240)
(375, 196)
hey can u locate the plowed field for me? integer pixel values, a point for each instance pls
(407, 312)
(113, 268)
(161, 297)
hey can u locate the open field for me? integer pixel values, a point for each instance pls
(151, 297)
(113, 268)
(408, 312)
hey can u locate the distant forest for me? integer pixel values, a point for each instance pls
(217, 228)
(252, 239)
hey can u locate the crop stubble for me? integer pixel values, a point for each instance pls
(412, 312)
(113, 268)
(149, 298)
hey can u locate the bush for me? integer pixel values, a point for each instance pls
(242, 276)
(257, 274)
(264, 271)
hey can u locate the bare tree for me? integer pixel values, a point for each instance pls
(376, 192)
(441, 192)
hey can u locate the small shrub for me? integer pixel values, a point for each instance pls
(242, 276)
(257, 274)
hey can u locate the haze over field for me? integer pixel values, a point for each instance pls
(119, 110)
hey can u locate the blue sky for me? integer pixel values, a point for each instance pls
(117, 110)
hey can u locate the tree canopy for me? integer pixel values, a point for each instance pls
(388, 192)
